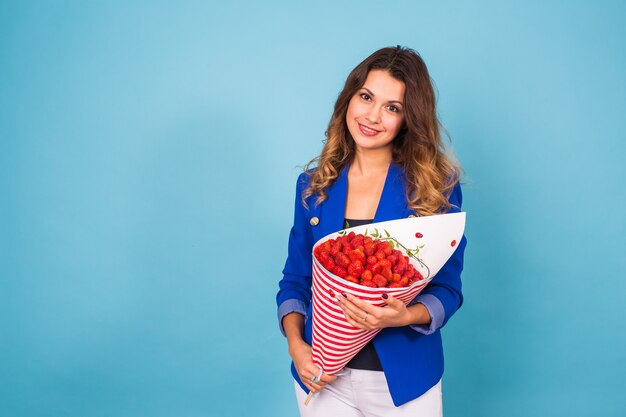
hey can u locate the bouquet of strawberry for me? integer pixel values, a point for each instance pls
(398, 258)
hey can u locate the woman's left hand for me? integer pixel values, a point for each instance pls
(363, 315)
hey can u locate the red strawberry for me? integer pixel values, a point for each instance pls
(385, 263)
(340, 272)
(418, 235)
(355, 269)
(357, 255)
(379, 280)
(372, 260)
(329, 264)
(399, 269)
(368, 284)
(418, 276)
(367, 275)
(356, 242)
(380, 254)
(410, 272)
(377, 268)
(342, 260)
(352, 279)
(386, 272)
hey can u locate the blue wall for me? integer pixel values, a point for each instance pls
(148, 160)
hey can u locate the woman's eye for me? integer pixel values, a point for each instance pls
(365, 96)
(394, 109)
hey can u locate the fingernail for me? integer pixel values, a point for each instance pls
(344, 294)
(385, 296)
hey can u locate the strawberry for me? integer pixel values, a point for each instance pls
(386, 272)
(385, 263)
(356, 242)
(379, 280)
(352, 279)
(372, 260)
(355, 269)
(357, 255)
(399, 269)
(340, 272)
(329, 264)
(367, 275)
(410, 273)
(342, 260)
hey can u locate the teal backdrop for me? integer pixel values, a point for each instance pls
(149, 152)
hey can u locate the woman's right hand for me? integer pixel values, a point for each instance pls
(301, 355)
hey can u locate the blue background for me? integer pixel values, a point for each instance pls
(148, 160)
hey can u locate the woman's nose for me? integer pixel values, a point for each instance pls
(373, 114)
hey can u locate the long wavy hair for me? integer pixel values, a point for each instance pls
(430, 170)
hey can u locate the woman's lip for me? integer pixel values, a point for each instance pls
(368, 131)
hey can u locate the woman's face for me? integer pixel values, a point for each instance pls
(375, 113)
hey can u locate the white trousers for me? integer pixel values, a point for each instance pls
(360, 393)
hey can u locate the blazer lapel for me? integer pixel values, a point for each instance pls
(334, 208)
(392, 204)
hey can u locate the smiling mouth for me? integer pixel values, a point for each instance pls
(367, 131)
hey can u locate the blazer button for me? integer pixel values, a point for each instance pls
(411, 215)
(314, 221)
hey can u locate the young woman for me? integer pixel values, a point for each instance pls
(383, 159)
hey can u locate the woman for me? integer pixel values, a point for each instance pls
(383, 160)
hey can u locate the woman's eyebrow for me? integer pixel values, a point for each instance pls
(374, 95)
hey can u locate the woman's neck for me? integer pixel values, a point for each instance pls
(371, 162)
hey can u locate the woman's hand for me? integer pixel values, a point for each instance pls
(307, 370)
(300, 353)
(395, 313)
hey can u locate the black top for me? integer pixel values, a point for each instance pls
(367, 358)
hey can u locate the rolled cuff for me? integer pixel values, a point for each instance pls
(436, 311)
(289, 306)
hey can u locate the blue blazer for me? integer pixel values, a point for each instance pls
(412, 361)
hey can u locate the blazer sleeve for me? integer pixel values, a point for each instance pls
(295, 286)
(443, 295)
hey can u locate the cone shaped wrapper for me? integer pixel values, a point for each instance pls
(335, 340)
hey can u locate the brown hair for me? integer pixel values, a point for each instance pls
(430, 173)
